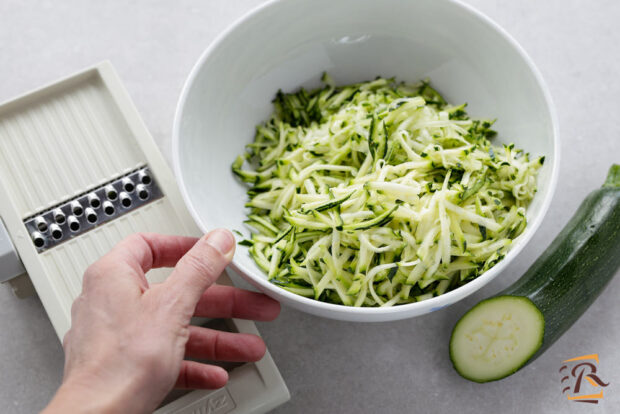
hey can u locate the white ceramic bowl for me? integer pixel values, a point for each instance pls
(289, 43)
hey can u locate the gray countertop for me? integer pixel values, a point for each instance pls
(329, 366)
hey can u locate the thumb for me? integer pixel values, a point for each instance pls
(200, 267)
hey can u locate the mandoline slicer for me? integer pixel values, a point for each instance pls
(79, 172)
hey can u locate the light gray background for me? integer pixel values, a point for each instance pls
(335, 367)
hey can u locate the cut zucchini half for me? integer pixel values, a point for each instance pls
(496, 338)
(561, 284)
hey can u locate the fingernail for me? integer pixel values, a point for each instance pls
(222, 240)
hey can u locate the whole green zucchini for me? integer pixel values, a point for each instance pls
(501, 334)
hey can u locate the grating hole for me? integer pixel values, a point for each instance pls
(39, 241)
(95, 203)
(146, 180)
(109, 210)
(129, 187)
(57, 234)
(126, 202)
(112, 195)
(143, 194)
(92, 218)
(74, 226)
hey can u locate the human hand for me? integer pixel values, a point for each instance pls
(125, 349)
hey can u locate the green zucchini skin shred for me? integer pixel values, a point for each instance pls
(564, 281)
(379, 193)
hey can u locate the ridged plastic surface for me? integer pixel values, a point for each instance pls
(61, 146)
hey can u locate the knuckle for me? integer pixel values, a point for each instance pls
(234, 303)
(209, 251)
(66, 339)
(92, 270)
(184, 377)
(183, 332)
(75, 306)
(98, 268)
(139, 239)
(133, 238)
(105, 266)
(215, 347)
(206, 265)
(259, 349)
(93, 273)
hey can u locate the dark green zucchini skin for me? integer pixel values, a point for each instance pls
(578, 264)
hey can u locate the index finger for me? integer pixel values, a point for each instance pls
(138, 253)
(151, 250)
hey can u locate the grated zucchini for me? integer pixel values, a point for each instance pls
(380, 193)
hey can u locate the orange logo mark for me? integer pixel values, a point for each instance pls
(580, 372)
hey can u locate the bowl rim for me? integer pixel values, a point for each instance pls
(429, 305)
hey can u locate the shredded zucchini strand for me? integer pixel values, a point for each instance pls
(380, 193)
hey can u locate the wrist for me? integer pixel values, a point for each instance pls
(83, 395)
(75, 399)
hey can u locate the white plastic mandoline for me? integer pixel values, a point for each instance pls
(75, 141)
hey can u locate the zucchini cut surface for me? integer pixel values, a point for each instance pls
(496, 338)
